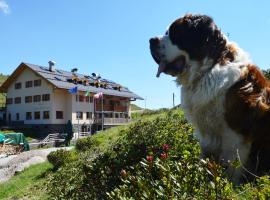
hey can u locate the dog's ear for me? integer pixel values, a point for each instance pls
(196, 34)
(191, 30)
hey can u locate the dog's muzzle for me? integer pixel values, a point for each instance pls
(172, 68)
(154, 48)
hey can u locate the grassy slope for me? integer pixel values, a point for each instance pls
(29, 180)
(2, 96)
(27, 184)
(135, 107)
(109, 136)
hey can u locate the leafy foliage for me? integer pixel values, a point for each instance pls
(2, 95)
(86, 144)
(266, 73)
(154, 158)
(61, 157)
(164, 178)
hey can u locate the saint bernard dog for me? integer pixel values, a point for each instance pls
(224, 95)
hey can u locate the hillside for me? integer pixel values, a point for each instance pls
(155, 157)
(2, 96)
(134, 107)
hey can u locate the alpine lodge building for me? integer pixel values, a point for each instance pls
(46, 98)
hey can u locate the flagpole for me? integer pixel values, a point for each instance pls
(90, 117)
(94, 101)
(102, 121)
(78, 114)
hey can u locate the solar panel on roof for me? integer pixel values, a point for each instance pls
(64, 80)
(57, 78)
(59, 72)
(43, 68)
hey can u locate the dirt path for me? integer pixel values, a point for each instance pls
(15, 163)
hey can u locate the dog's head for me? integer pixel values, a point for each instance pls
(188, 39)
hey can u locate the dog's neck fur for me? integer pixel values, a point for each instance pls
(201, 88)
(203, 96)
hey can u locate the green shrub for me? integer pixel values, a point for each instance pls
(99, 171)
(162, 178)
(61, 157)
(85, 144)
(151, 159)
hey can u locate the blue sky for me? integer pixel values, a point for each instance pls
(111, 37)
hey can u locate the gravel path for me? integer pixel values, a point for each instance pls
(15, 163)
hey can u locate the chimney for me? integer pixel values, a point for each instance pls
(52, 66)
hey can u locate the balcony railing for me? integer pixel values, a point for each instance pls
(113, 121)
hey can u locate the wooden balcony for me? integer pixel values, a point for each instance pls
(112, 108)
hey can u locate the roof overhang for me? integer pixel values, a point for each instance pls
(4, 87)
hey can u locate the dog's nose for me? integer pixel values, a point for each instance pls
(154, 42)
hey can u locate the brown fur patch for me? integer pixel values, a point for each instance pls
(228, 54)
(247, 111)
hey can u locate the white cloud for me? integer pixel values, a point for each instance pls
(4, 7)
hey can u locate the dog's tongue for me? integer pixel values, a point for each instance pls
(161, 69)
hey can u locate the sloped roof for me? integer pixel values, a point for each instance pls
(60, 79)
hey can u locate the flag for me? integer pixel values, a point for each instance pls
(87, 93)
(98, 95)
(73, 90)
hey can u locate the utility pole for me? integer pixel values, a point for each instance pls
(173, 100)
(145, 103)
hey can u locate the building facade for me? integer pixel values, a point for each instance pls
(38, 98)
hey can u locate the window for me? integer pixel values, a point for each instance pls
(37, 115)
(28, 84)
(79, 115)
(9, 101)
(111, 102)
(107, 115)
(81, 98)
(46, 115)
(28, 99)
(17, 116)
(37, 83)
(89, 99)
(117, 103)
(124, 103)
(17, 100)
(37, 98)
(28, 115)
(46, 97)
(18, 86)
(88, 115)
(59, 115)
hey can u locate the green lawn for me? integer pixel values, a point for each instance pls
(28, 184)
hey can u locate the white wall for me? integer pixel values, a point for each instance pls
(82, 107)
(61, 102)
(23, 107)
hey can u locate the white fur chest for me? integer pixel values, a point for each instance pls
(204, 108)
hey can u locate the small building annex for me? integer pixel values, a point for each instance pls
(38, 97)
